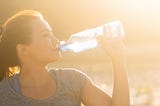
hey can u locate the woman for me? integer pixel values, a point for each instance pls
(27, 43)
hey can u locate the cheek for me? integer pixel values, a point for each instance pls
(43, 50)
(38, 48)
(42, 45)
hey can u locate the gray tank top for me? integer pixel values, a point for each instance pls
(69, 86)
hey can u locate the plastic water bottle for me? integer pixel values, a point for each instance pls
(87, 39)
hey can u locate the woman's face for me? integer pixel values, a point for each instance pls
(44, 45)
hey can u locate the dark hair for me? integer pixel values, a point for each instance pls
(15, 30)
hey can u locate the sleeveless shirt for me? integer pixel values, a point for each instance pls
(69, 87)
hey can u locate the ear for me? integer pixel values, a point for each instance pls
(22, 49)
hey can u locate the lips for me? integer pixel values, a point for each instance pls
(56, 47)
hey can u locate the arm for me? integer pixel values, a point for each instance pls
(93, 96)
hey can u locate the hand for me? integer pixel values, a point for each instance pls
(114, 47)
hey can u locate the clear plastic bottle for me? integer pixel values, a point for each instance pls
(87, 39)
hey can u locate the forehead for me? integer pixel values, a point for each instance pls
(40, 24)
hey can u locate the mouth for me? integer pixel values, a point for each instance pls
(57, 47)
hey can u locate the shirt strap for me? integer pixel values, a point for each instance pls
(16, 85)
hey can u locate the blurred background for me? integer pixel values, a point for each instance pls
(141, 20)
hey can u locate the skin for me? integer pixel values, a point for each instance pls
(34, 57)
(44, 49)
(93, 96)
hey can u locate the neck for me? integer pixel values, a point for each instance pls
(34, 75)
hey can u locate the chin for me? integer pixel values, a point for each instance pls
(54, 57)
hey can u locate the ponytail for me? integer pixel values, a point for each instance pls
(3, 68)
(7, 59)
(2, 71)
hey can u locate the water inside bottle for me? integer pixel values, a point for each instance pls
(79, 46)
(87, 39)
